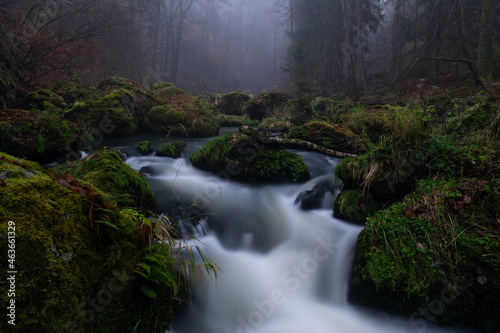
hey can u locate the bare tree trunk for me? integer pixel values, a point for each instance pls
(485, 50)
(360, 57)
(396, 34)
(347, 46)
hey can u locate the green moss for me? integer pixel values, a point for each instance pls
(119, 107)
(69, 276)
(172, 149)
(161, 85)
(59, 259)
(266, 104)
(273, 124)
(189, 119)
(44, 99)
(355, 207)
(332, 136)
(106, 171)
(248, 158)
(233, 103)
(443, 233)
(144, 147)
(35, 135)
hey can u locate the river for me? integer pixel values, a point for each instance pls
(284, 270)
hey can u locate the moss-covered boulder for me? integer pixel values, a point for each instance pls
(331, 136)
(44, 99)
(75, 256)
(233, 103)
(35, 135)
(275, 123)
(144, 98)
(172, 149)
(176, 119)
(354, 206)
(437, 252)
(107, 171)
(119, 107)
(71, 91)
(247, 158)
(266, 103)
(144, 147)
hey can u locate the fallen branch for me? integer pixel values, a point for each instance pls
(294, 143)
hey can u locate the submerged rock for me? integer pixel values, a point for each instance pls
(184, 218)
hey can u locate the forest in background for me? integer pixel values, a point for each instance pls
(225, 45)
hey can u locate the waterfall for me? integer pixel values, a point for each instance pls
(284, 270)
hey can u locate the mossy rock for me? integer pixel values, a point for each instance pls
(172, 149)
(387, 175)
(233, 103)
(355, 207)
(266, 103)
(174, 120)
(72, 277)
(145, 147)
(275, 124)
(70, 91)
(437, 252)
(107, 171)
(144, 99)
(161, 85)
(331, 136)
(44, 99)
(43, 137)
(60, 261)
(247, 158)
(119, 107)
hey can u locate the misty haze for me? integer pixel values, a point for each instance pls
(250, 166)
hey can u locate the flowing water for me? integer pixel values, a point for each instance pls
(284, 270)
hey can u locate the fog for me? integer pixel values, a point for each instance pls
(233, 45)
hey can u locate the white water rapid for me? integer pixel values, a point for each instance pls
(284, 270)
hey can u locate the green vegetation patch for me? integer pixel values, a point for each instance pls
(106, 171)
(445, 233)
(332, 136)
(35, 135)
(233, 103)
(172, 149)
(145, 147)
(247, 158)
(355, 206)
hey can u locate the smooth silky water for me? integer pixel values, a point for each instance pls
(284, 270)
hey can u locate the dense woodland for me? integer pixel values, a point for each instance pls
(226, 45)
(405, 95)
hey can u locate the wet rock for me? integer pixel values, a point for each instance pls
(184, 218)
(313, 198)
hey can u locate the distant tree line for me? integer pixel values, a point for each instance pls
(223, 45)
(196, 44)
(360, 43)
